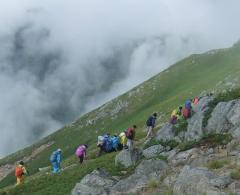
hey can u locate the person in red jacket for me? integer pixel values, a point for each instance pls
(20, 171)
(130, 134)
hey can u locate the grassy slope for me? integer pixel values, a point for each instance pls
(162, 93)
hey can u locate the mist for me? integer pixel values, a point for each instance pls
(61, 58)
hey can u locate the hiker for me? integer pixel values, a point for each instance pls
(151, 124)
(130, 134)
(81, 152)
(123, 141)
(20, 171)
(176, 115)
(104, 144)
(56, 158)
(187, 109)
(195, 101)
(115, 142)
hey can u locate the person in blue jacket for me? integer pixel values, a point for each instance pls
(115, 142)
(150, 123)
(56, 158)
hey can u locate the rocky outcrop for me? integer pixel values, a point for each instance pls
(145, 171)
(195, 123)
(153, 151)
(165, 133)
(96, 183)
(128, 158)
(199, 181)
(225, 118)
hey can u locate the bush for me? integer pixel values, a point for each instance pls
(181, 126)
(187, 145)
(217, 164)
(171, 143)
(235, 174)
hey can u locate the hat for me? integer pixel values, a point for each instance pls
(59, 150)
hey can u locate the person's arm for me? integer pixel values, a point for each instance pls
(24, 170)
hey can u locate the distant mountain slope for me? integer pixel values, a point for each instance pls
(211, 71)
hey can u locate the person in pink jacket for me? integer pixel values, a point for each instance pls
(81, 152)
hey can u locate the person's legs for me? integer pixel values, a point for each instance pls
(56, 167)
(81, 159)
(18, 180)
(130, 144)
(149, 133)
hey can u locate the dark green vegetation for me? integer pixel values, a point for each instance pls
(181, 126)
(162, 93)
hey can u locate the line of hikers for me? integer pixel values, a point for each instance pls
(184, 112)
(106, 144)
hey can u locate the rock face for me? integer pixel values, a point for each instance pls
(225, 117)
(96, 183)
(165, 133)
(153, 151)
(134, 184)
(128, 158)
(195, 123)
(199, 181)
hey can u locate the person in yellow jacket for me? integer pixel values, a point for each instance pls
(20, 171)
(123, 139)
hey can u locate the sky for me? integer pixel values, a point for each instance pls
(61, 58)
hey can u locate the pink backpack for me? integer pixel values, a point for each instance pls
(80, 150)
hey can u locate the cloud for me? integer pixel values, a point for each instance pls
(60, 59)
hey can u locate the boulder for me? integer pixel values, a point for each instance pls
(96, 183)
(184, 157)
(198, 181)
(128, 158)
(195, 123)
(165, 133)
(225, 116)
(145, 171)
(153, 151)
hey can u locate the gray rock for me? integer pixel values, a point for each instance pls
(134, 184)
(165, 133)
(183, 158)
(195, 123)
(194, 181)
(224, 116)
(128, 158)
(153, 151)
(96, 183)
(221, 182)
(235, 187)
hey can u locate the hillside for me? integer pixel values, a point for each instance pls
(212, 71)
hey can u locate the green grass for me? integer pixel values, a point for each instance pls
(217, 164)
(235, 174)
(162, 93)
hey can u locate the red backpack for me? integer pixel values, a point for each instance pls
(130, 133)
(18, 171)
(186, 113)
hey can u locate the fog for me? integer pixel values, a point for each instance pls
(61, 58)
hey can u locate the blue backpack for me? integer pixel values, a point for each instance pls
(115, 142)
(53, 157)
(108, 144)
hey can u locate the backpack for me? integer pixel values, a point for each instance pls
(115, 142)
(129, 133)
(186, 113)
(18, 171)
(107, 144)
(80, 150)
(149, 121)
(53, 157)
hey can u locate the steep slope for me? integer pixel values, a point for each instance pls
(210, 71)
